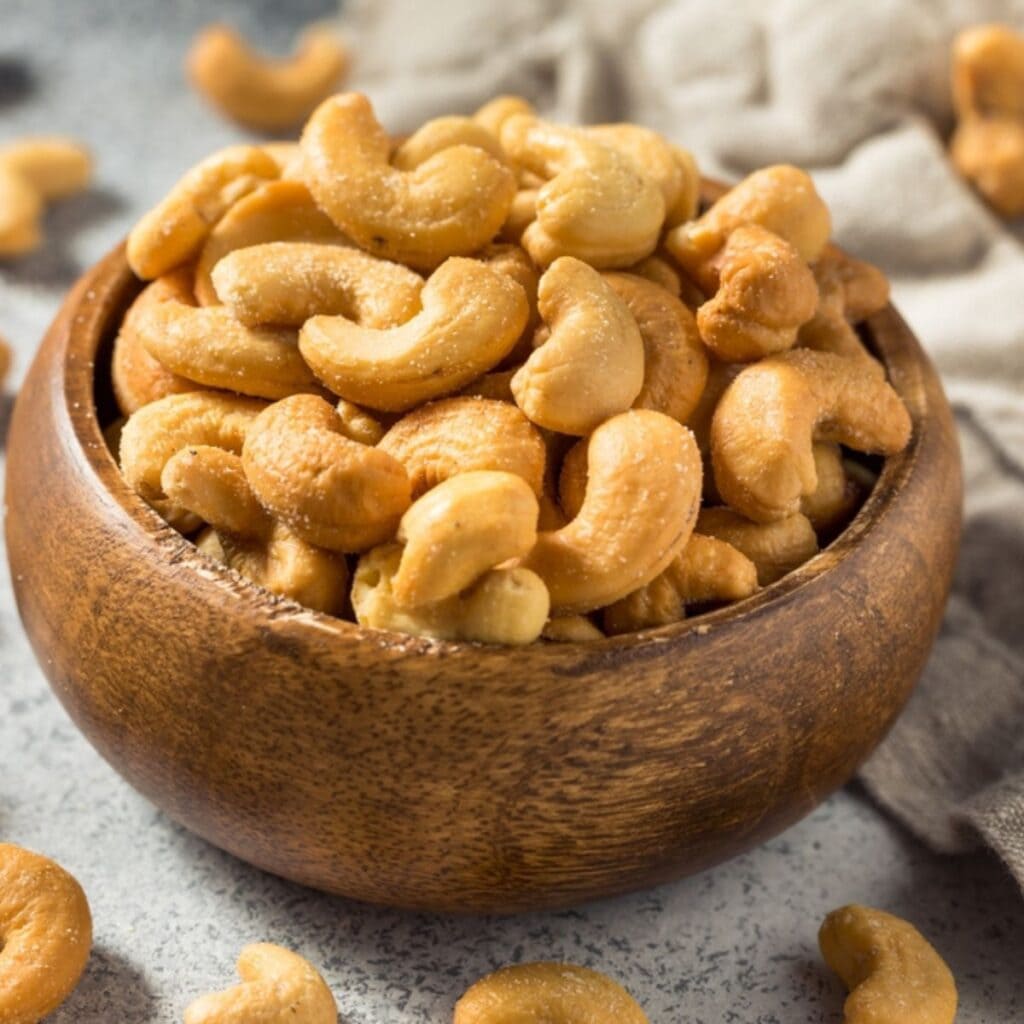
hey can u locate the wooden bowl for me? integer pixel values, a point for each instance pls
(453, 776)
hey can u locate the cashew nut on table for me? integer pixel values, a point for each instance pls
(477, 383)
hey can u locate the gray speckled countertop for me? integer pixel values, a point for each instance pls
(734, 944)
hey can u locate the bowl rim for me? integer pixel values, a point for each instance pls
(111, 285)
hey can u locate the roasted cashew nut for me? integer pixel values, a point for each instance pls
(988, 72)
(451, 205)
(494, 113)
(571, 629)
(21, 206)
(277, 985)
(764, 427)
(504, 606)
(775, 548)
(592, 365)
(289, 282)
(989, 153)
(471, 318)
(832, 503)
(459, 435)
(637, 460)
(458, 530)
(45, 935)
(862, 288)
(675, 363)
(357, 424)
(442, 133)
(261, 92)
(547, 992)
(765, 293)
(660, 272)
(650, 152)
(893, 973)
(174, 230)
(279, 211)
(596, 204)
(332, 491)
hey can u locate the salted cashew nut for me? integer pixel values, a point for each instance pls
(862, 288)
(651, 152)
(592, 365)
(471, 317)
(45, 935)
(276, 985)
(893, 973)
(458, 530)
(279, 211)
(504, 606)
(332, 491)
(675, 363)
(261, 92)
(442, 133)
(286, 283)
(660, 272)
(494, 113)
(463, 434)
(988, 72)
(512, 261)
(538, 993)
(765, 293)
(521, 214)
(765, 424)
(137, 377)
(56, 167)
(781, 198)
(450, 205)
(832, 503)
(989, 153)
(775, 548)
(639, 459)
(688, 203)
(496, 385)
(357, 424)
(571, 629)
(596, 204)
(706, 570)
(174, 230)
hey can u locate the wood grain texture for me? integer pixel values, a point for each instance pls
(450, 776)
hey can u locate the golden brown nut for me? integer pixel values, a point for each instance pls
(571, 629)
(55, 166)
(989, 153)
(21, 206)
(832, 503)
(775, 548)
(988, 72)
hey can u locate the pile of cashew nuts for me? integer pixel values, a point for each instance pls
(499, 380)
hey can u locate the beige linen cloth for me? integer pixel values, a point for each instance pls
(856, 91)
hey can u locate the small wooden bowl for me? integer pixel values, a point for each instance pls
(452, 776)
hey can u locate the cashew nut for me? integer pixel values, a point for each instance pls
(547, 993)
(688, 203)
(357, 424)
(277, 985)
(638, 459)
(260, 92)
(451, 205)
(781, 199)
(279, 211)
(493, 114)
(289, 282)
(458, 530)
(658, 271)
(675, 363)
(775, 548)
(20, 208)
(333, 492)
(442, 133)
(706, 570)
(653, 155)
(571, 629)
(496, 386)
(988, 72)
(763, 429)
(459, 435)
(596, 204)
(512, 261)
(894, 975)
(989, 153)
(504, 606)
(54, 166)
(862, 288)
(592, 365)
(470, 320)
(45, 935)
(288, 157)
(521, 214)
(831, 504)
(765, 292)
(137, 377)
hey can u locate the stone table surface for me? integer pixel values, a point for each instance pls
(736, 943)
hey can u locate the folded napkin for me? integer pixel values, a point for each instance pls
(856, 91)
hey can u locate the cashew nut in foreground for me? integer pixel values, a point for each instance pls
(989, 153)
(277, 985)
(596, 204)
(504, 606)
(459, 435)
(471, 318)
(675, 363)
(547, 993)
(261, 92)
(706, 570)
(450, 205)
(765, 293)
(332, 491)
(764, 427)
(592, 365)
(893, 973)
(45, 935)
(279, 211)
(637, 460)
(775, 548)
(137, 377)
(289, 282)
(458, 530)
(173, 231)
(781, 199)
